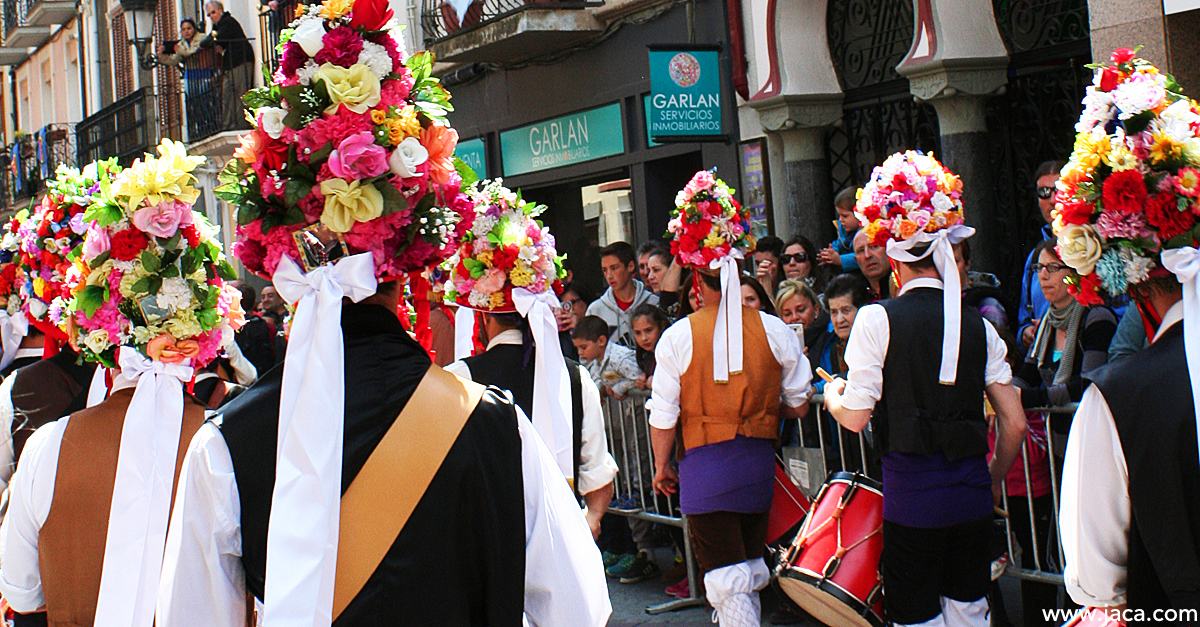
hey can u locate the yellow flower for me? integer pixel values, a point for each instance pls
(158, 179)
(408, 122)
(301, 9)
(485, 258)
(1120, 158)
(39, 287)
(497, 301)
(349, 202)
(521, 274)
(1090, 148)
(357, 87)
(378, 116)
(333, 9)
(1164, 148)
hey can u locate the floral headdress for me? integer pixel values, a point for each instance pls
(149, 274)
(710, 232)
(12, 279)
(707, 223)
(506, 248)
(50, 238)
(350, 137)
(1132, 186)
(913, 206)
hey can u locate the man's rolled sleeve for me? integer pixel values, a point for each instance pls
(866, 351)
(796, 382)
(997, 370)
(664, 394)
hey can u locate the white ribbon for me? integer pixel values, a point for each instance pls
(727, 335)
(13, 329)
(941, 247)
(464, 332)
(98, 389)
(552, 384)
(141, 500)
(302, 536)
(1185, 264)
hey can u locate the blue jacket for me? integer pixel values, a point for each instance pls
(1033, 302)
(844, 245)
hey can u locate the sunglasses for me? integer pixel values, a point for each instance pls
(795, 258)
(1045, 193)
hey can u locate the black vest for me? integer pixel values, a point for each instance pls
(460, 559)
(1150, 396)
(916, 414)
(506, 366)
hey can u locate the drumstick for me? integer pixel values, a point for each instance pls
(824, 375)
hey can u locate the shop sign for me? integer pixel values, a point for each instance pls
(685, 93)
(474, 154)
(650, 143)
(566, 140)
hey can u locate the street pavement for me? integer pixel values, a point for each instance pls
(630, 601)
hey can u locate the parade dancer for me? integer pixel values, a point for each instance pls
(360, 484)
(1129, 515)
(506, 273)
(919, 366)
(87, 518)
(742, 371)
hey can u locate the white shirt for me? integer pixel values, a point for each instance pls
(203, 582)
(1094, 511)
(867, 349)
(597, 468)
(29, 499)
(673, 356)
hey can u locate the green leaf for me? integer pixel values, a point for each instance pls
(295, 190)
(74, 253)
(170, 244)
(210, 299)
(99, 260)
(188, 264)
(393, 200)
(150, 262)
(320, 154)
(170, 271)
(154, 285)
(142, 285)
(207, 318)
(225, 270)
(103, 214)
(420, 65)
(1138, 123)
(476, 268)
(465, 172)
(425, 204)
(90, 299)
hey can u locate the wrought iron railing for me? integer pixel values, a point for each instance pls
(441, 19)
(32, 160)
(14, 15)
(270, 23)
(125, 129)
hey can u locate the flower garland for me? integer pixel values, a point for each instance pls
(149, 273)
(507, 247)
(350, 136)
(1132, 186)
(910, 193)
(50, 234)
(707, 223)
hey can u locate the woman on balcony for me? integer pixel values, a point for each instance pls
(199, 77)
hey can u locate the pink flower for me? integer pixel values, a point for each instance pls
(164, 348)
(96, 242)
(340, 46)
(164, 219)
(492, 281)
(358, 157)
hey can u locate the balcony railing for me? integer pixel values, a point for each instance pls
(27, 22)
(125, 129)
(14, 16)
(271, 22)
(32, 160)
(441, 20)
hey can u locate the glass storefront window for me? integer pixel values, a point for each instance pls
(608, 211)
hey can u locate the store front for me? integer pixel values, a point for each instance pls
(581, 145)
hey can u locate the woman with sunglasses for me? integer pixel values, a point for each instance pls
(799, 262)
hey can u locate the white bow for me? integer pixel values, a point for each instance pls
(141, 500)
(941, 247)
(727, 335)
(98, 388)
(552, 384)
(302, 534)
(13, 329)
(464, 332)
(1184, 263)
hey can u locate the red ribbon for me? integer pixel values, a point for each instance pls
(420, 295)
(54, 340)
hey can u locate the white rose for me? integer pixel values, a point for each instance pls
(97, 340)
(1080, 247)
(941, 202)
(309, 35)
(38, 308)
(270, 120)
(406, 157)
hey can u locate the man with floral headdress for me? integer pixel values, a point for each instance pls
(507, 273)
(1129, 515)
(743, 370)
(86, 525)
(919, 367)
(360, 484)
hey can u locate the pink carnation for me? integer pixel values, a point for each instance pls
(1114, 224)
(393, 51)
(395, 92)
(324, 130)
(340, 46)
(210, 345)
(292, 59)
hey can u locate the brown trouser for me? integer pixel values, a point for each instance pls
(722, 539)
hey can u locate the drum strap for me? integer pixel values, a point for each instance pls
(385, 492)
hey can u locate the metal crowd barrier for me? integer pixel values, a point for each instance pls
(628, 431)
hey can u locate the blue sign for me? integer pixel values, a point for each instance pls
(473, 153)
(685, 93)
(566, 140)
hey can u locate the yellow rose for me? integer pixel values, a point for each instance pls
(1080, 247)
(349, 202)
(357, 87)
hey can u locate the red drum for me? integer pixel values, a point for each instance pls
(832, 568)
(788, 509)
(1090, 617)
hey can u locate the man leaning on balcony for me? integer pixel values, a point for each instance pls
(237, 61)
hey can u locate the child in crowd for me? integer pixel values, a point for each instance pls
(613, 367)
(840, 253)
(649, 322)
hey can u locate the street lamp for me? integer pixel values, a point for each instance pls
(139, 26)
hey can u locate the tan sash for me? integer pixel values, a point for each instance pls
(385, 492)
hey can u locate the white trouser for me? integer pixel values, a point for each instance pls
(733, 593)
(958, 614)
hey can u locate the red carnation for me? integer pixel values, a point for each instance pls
(1125, 192)
(1109, 79)
(49, 259)
(505, 256)
(1075, 211)
(191, 234)
(1086, 291)
(7, 275)
(881, 237)
(1161, 212)
(1121, 55)
(127, 244)
(871, 213)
